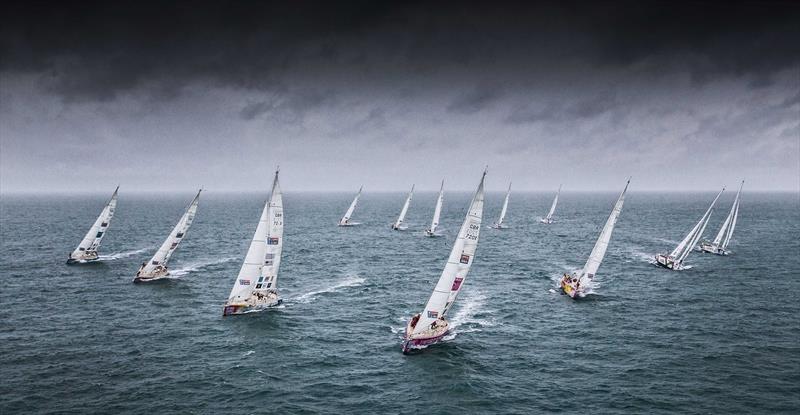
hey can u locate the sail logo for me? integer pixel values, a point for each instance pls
(433, 314)
(244, 282)
(464, 259)
(457, 283)
(272, 241)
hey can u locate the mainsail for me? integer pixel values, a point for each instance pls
(549, 216)
(685, 246)
(260, 268)
(726, 231)
(600, 247)
(96, 233)
(458, 264)
(437, 211)
(499, 222)
(403, 212)
(161, 257)
(346, 218)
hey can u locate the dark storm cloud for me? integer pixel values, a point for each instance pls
(95, 50)
(558, 111)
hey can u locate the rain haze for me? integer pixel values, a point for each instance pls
(169, 97)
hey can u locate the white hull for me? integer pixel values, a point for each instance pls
(399, 228)
(498, 226)
(712, 249)
(430, 234)
(546, 221)
(252, 305)
(668, 262)
(349, 224)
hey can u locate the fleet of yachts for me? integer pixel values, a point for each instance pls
(256, 285)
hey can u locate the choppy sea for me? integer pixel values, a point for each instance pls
(721, 337)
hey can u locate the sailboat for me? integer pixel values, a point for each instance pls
(398, 225)
(156, 268)
(576, 285)
(345, 221)
(256, 286)
(436, 213)
(499, 224)
(87, 249)
(674, 260)
(549, 218)
(430, 326)
(720, 244)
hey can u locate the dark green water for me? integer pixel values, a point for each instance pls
(722, 337)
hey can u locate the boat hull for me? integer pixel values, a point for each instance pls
(73, 261)
(666, 262)
(713, 249)
(430, 234)
(546, 221)
(399, 228)
(426, 338)
(349, 224)
(498, 226)
(237, 309)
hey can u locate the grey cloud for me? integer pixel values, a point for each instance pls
(476, 100)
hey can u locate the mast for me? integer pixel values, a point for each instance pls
(505, 206)
(553, 206)
(163, 254)
(268, 281)
(352, 207)
(96, 233)
(688, 242)
(254, 260)
(600, 247)
(735, 214)
(458, 264)
(402, 216)
(438, 210)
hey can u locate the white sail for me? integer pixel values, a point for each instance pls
(96, 233)
(505, 207)
(346, 218)
(600, 247)
(268, 282)
(732, 219)
(685, 246)
(553, 207)
(256, 256)
(458, 264)
(163, 254)
(438, 210)
(403, 212)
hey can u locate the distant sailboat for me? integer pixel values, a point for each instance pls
(345, 221)
(549, 218)
(87, 249)
(575, 285)
(256, 286)
(430, 326)
(674, 260)
(398, 225)
(436, 213)
(499, 224)
(156, 268)
(720, 244)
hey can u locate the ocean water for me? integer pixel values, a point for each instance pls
(722, 337)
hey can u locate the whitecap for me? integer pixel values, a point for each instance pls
(349, 281)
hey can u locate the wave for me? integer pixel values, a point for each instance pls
(197, 266)
(467, 316)
(126, 254)
(349, 281)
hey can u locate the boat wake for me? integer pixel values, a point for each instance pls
(468, 317)
(197, 266)
(126, 254)
(349, 281)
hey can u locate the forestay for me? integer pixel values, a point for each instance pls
(458, 264)
(553, 206)
(726, 231)
(685, 246)
(600, 247)
(163, 254)
(403, 212)
(505, 207)
(96, 233)
(269, 229)
(352, 208)
(438, 210)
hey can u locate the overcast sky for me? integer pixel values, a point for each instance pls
(166, 98)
